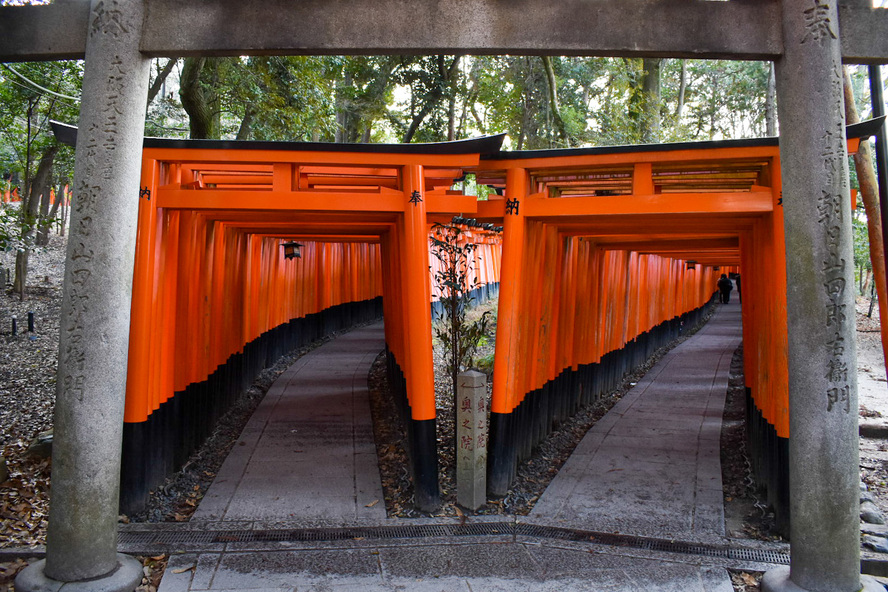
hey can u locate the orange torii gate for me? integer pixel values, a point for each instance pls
(607, 254)
(215, 300)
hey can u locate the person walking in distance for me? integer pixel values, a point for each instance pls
(724, 289)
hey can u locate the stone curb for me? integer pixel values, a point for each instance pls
(874, 430)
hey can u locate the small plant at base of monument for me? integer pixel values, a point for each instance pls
(459, 336)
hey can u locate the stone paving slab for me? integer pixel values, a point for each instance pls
(307, 453)
(652, 466)
(506, 567)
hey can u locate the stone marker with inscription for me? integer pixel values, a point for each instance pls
(471, 440)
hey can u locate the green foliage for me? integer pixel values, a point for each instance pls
(32, 94)
(10, 228)
(459, 336)
(485, 364)
(600, 101)
(862, 261)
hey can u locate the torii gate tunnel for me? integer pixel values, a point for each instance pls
(605, 254)
(808, 40)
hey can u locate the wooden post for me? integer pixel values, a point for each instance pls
(507, 361)
(420, 372)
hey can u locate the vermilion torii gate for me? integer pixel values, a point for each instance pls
(211, 286)
(594, 278)
(808, 39)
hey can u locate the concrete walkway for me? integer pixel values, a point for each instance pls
(650, 467)
(307, 454)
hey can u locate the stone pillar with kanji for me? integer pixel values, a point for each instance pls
(471, 440)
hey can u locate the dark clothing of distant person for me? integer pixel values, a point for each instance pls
(724, 289)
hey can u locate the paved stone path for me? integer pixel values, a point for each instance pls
(652, 465)
(649, 467)
(307, 453)
(497, 566)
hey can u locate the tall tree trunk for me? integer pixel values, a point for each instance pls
(869, 193)
(26, 185)
(682, 90)
(160, 79)
(417, 120)
(478, 120)
(29, 217)
(464, 112)
(343, 131)
(650, 88)
(771, 104)
(554, 107)
(451, 118)
(199, 99)
(44, 220)
(64, 213)
(246, 129)
(451, 107)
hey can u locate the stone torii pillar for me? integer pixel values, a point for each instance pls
(823, 450)
(81, 551)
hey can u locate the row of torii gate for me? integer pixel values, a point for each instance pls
(603, 255)
(807, 39)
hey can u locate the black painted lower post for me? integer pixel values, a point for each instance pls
(501, 456)
(134, 485)
(425, 465)
(781, 505)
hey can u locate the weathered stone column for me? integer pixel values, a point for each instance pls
(471, 440)
(95, 321)
(823, 454)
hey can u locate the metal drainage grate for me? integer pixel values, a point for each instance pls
(139, 538)
(653, 544)
(155, 539)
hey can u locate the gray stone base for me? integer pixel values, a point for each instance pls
(777, 580)
(125, 578)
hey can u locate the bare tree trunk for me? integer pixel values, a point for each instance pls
(869, 193)
(245, 130)
(771, 104)
(44, 220)
(478, 120)
(650, 88)
(343, 109)
(198, 97)
(29, 217)
(525, 102)
(451, 118)
(682, 90)
(64, 213)
(554, 107)
(427, 107)
(160, 79)
(451, 107)
(464, 112)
